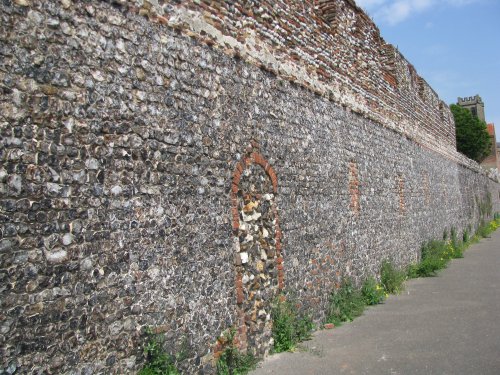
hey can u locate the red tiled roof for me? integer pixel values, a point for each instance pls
(491, 129)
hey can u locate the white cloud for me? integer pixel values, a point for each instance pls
(369, 3)
(393, 12)
(397, 11)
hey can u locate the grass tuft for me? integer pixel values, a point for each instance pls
(392, 279)
(436, 254)
(289, 327)
(232, 361)
(372, 292)
(346, 303)
(158, 362)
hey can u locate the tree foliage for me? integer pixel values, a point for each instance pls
(472, 135)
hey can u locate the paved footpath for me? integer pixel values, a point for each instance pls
(448, 324)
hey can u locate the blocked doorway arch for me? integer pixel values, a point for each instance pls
(258, 251)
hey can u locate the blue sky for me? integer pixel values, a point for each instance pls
(453, 44)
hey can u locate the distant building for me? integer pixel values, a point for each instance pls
(498, 155)
(492, 160)
(474, 104)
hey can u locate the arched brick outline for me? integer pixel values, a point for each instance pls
(252, 157)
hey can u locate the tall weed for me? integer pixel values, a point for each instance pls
(289, 327)
(392, 279)
(372, 292)
(346, 303)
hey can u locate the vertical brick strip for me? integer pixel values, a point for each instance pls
(279, 257)
(445, 190)
(402, 207)
(238, 281)
(354, 187)
(427, 193)
(234, 195)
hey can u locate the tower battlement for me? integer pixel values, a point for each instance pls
(470, 100)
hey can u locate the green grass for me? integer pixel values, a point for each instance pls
(373, 293)
(434, 258)
(289, 327)
(465, 236)
(436, 254)
(346, 303)
(158, 362)
(391, 278)
(232, 361)
(485, 229)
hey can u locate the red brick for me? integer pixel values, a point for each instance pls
(278, 246)
(239, 281)
(236, 225)
(277, 235)
(234, 200)
(236, 179)
(276, 217)
(162, 20)
(239, 296)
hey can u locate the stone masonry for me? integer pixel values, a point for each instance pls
(178, 165)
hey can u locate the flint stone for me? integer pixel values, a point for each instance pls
(56, 256)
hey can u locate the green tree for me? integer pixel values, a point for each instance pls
(472, 135)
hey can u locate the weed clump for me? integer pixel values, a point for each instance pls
(485, 229)
(435, 254)
(346, 303)
(289, 327)
(372, 292)
(434, 258)
(158, 362)
(391, 278)
(232, 361)
(465, 236)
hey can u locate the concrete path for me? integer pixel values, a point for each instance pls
(441, 325)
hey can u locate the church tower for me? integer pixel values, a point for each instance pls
(474, 104)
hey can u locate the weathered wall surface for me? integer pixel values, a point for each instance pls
(128, 154)
(331, 47)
